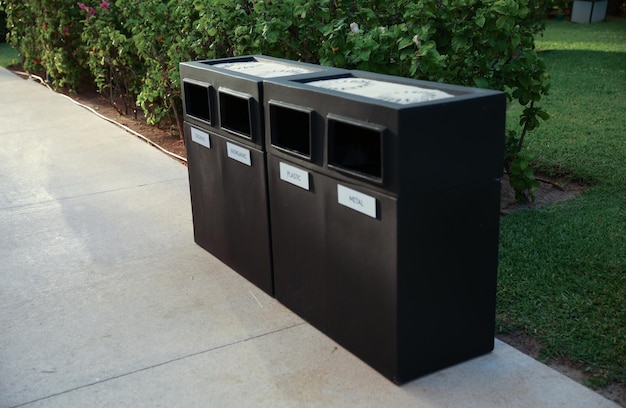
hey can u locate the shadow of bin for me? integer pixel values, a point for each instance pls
(224, 138)
(385, 215)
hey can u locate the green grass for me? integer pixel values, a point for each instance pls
(562, 274)
(8, 55)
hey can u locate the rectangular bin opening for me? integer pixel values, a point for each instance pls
(197, 101)
(290, 129)
(235, 113)
(355, 148)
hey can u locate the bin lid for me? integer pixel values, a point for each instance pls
(263, 69)
(386, 91)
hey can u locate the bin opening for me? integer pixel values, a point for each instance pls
(290, 129)
(356, 148)
(197, 100)
(235, 113)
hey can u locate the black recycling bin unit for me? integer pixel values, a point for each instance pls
(385, 199)
(224, 138)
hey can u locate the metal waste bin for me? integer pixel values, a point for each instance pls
(385, 198)
(224, 138)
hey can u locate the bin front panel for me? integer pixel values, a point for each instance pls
(335, 260)
(298, 233)
(361, 249)
(229, 204)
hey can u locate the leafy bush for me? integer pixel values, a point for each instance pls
(112, 55)
(47, 34)
(163, 35)
(133, 48)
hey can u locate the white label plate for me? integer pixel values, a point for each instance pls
(238, 153)
(294, 175)
(357, 201)
(200, 137)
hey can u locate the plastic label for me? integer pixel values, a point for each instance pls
(294, 175)
(238, 153)
(200, 137)
(357, 201)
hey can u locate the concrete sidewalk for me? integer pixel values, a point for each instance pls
(105, 299)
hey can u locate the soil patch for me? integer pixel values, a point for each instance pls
(168, 139)
(551, 190)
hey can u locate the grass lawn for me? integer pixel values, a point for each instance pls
(562, 275)
(8, 55)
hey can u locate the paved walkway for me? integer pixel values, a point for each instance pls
(105, 300)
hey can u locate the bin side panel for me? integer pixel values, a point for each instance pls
(449, 145)
(447, 277)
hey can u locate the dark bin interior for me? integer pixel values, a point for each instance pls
(235, 114)
(291, 129)
(197, 101)
(355, 148)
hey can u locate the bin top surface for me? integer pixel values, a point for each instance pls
(263, 69)
(386, 91)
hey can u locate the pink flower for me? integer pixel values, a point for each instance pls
(90, 10)
(105, 4)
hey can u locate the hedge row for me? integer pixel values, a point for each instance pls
(131, 49)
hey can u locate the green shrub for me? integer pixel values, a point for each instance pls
(47, 35)
(112, 55)
(133, 49)
(165, 33)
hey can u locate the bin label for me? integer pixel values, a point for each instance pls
(294, 175)
(238, 153)
(200, 137)
(357, 201)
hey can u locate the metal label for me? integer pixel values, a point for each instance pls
(357, 201)
(239, 153)
(294, 175)
(200, 137)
